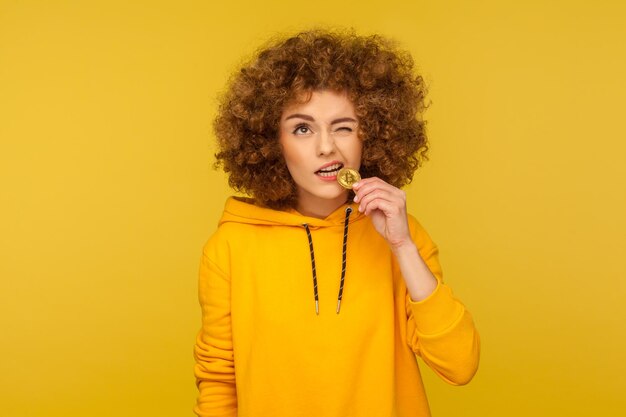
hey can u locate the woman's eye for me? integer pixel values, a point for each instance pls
(301, 129)
(345, 128)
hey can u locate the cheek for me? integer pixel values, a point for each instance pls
(286, 150)
(292, 155)
(356, 150)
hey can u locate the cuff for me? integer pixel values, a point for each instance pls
(437, 312)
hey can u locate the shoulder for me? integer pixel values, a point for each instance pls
(230, 237)
(217, 246)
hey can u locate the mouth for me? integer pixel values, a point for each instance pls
(330, 170)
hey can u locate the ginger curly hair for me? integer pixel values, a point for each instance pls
(379, 80)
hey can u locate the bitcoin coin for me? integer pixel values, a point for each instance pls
(348, 176)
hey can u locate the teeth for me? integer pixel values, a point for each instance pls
(330, 168)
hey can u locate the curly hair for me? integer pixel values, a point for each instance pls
(379, 79)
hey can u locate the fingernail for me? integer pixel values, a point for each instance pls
(356, 184)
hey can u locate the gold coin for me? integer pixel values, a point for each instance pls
(348, 176)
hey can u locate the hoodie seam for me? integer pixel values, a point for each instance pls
(217, 269)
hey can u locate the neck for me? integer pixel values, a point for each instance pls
(319, 209)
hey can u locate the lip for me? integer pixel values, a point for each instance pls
(329, 164)
(327, 179)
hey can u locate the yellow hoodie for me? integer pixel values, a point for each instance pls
(263, 351)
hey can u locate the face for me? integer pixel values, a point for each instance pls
(318, 138)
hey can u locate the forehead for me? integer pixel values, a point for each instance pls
(321, 103)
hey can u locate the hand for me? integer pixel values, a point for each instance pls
(386, 206)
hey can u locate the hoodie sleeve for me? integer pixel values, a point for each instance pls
(439, 328)
(214, 369)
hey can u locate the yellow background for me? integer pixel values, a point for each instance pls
(107, 193)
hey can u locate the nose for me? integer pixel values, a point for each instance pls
(325, 143)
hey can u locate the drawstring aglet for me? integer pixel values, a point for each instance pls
(317, 307)
(338, 305)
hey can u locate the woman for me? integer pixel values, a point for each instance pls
(318, 299)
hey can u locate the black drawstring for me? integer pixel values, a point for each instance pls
(343, 262)
(317, 303)
(343, 257)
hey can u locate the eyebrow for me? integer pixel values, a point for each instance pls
(311, 119)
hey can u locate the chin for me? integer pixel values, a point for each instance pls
(332, 196)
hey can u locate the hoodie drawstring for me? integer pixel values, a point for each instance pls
(317, 303)
(343, 262)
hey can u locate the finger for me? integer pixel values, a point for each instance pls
(366, 184)
(360, 183)
(383, 195)
(387, 207)
(374, 194)
(365, 181)
(376, 184)
(373, 182)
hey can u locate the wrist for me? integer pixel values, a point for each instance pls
(420, 281)
(406, 247)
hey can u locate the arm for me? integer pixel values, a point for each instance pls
(439, 328)
(214, 369)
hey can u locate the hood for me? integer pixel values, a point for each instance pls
(243, 210)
